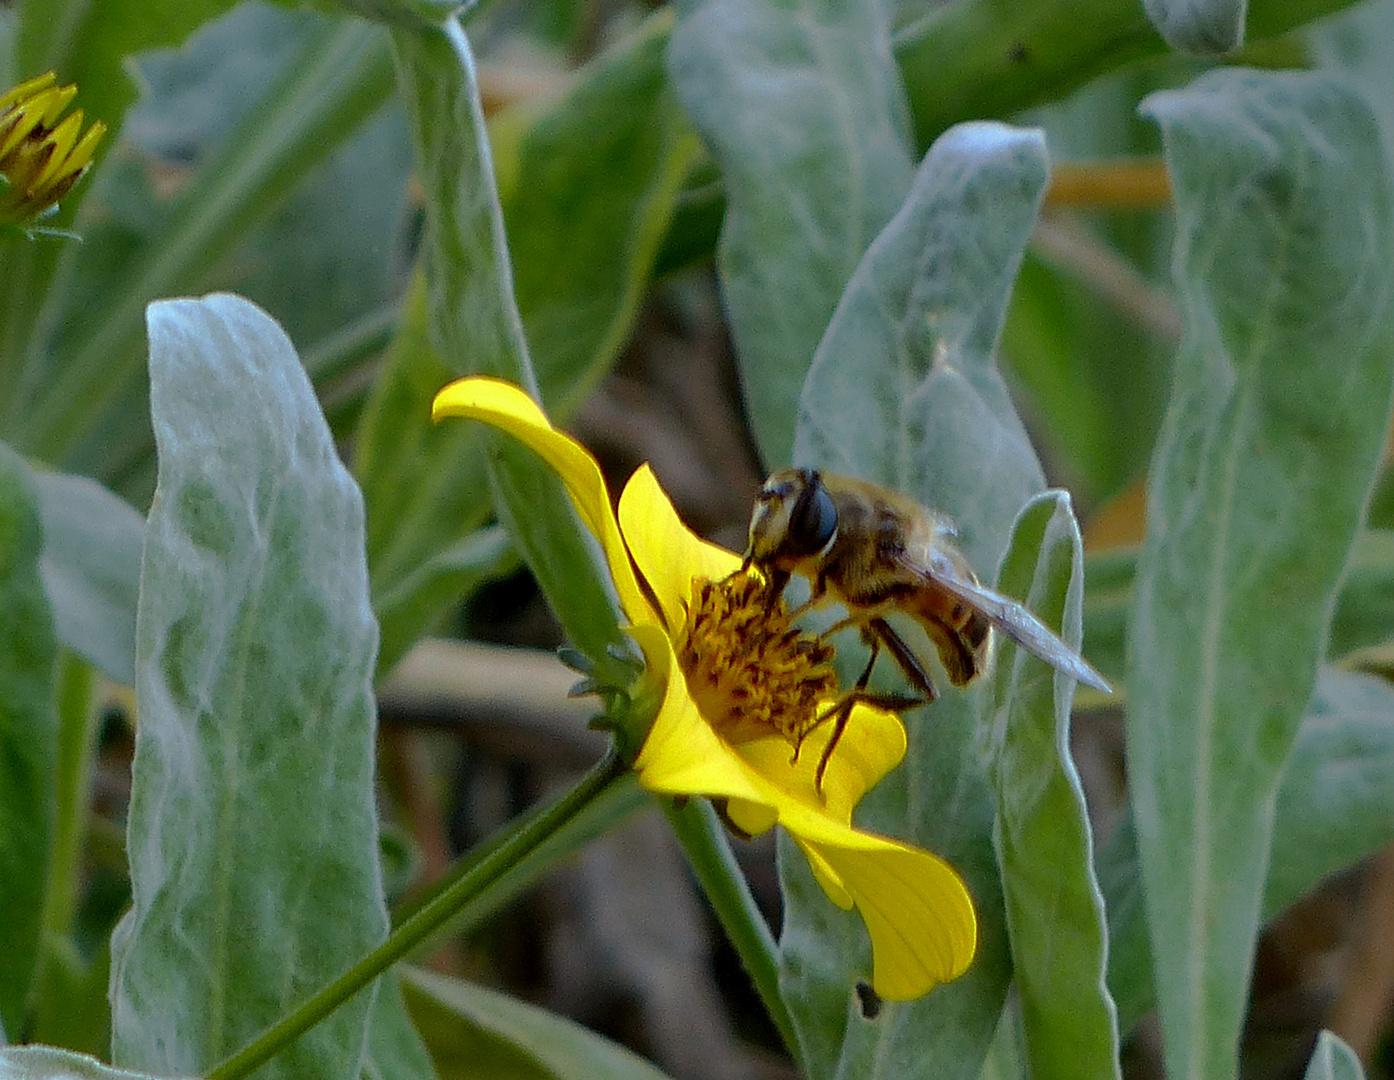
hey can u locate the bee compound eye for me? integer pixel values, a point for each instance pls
(813, 519)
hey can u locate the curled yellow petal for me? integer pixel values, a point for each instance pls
(916, 907)
(506, 407)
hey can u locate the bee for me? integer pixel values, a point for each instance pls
(877, 552)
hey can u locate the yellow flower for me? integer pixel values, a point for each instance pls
(41, 157)
(741, 688)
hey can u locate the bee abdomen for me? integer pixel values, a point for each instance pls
(961, 635)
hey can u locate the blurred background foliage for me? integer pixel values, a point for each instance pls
(262, 149)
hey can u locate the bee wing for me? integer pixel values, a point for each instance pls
(1017, 622)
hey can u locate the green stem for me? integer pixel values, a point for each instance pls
(425, 922)
(607, 811)
(709, 852)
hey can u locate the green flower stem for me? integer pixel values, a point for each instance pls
(709, 852)
(491, 867)
(615, 805)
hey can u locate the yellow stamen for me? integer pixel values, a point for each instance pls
(748, 667)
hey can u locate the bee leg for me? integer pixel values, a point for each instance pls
(775, 580)
(843, 624)
(908, 662)
(862, 620)
(842, 712)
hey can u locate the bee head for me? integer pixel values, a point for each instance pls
(793, 519)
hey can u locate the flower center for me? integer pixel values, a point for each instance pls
(748, 667)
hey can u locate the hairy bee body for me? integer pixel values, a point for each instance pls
(877, 552)
(876, 563)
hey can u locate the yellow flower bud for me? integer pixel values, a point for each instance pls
(42, 154)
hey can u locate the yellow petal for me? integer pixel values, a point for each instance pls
(916, 907)
(668, 554)
(62, 138)
(27, 89)
(682, 755)
(827, 877)
(507, 407)
(872, 744)
(752, 818)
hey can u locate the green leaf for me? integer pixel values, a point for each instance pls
(696, 226)
(588, 192)
(1055, 911)
(1255, 494)
(86, 44)
(1092, 329)
(89, 44)
(1332, 1059)
(1129, 952)
(1335, 806)
(904, 388)
(424, 484)
(1364, 615)
(476, 1032)
(70, 1001)
(395, 1050)
(1351, 45)
(51, 1063)
(1207, 27)
(416, 600)
(1336, 801)
(340, 76)
(252, 803)
(975, 59)
(473, 318)
(320, 257)
(1108, 598)
(1363, 620)
(91, 570)
(28, 739)
(80, 724)
(333, 251)
(904, 392)
(803, 109)
(595, 179)
(475, 326)
(1006, 1057)
(1094, 377)
(395, 12)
